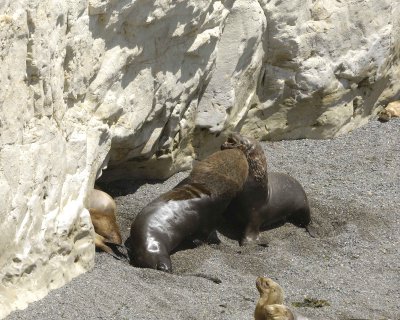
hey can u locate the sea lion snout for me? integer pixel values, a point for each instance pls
(262, 284)
(237, 141)
(163, 267)
(152, 261)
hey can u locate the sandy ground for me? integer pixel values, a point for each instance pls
(353, 184)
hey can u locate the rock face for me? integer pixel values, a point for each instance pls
(327, 66)
(145, 86)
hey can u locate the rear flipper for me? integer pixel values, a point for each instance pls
(102, 243)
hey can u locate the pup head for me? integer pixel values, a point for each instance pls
(270, 289)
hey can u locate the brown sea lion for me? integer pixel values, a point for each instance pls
(267, 198)
(102, 210)
(270, 293)
(392, 110)
(191, 210)
(270, 304)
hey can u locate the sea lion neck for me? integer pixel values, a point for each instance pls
(258, 166)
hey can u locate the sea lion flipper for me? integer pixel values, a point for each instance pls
(312, 231)
(251, 232)
(213, 238)
(101, 243)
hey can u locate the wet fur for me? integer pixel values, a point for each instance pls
(192, 210)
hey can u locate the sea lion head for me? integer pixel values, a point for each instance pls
(270, 289)
(384, 115)
(278, 312)
(254, 154)
(237, 141)
(152, 255)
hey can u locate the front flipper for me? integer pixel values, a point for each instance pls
(252, 229)
(213, 238)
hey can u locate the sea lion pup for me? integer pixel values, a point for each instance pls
(191, 210)
(276, 312)
(392, 110)
(102, 209)
(270, 293)
(267, 198)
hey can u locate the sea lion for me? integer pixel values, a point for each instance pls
(270, 293)
(392, 110)
(191, 210)
(102, 209)
(267, 198)
(270, 304)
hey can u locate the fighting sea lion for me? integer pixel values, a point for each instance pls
(191, 210)
(392, 110)
(270, 293)
(267, 198)
(102, 209)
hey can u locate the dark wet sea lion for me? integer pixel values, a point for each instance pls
(102, 209)
(266, 198)
(191, 210)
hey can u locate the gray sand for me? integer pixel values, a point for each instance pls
(353, 184)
